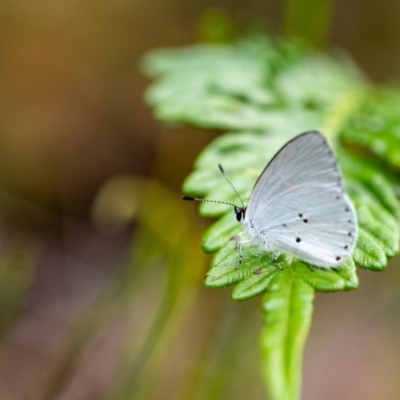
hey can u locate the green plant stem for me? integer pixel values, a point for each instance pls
(287, 313)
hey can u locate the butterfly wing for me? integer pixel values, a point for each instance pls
(298, 204)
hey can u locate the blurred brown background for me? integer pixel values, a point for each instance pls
(72, 112)
(72, 116)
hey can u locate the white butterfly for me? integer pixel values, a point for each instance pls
(298, 205)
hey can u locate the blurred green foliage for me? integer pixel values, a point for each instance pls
(157, 259)
(16, 268)
(264, 92)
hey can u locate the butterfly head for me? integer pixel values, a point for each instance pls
(240, 213)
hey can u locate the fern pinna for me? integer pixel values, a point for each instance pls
(261, 93)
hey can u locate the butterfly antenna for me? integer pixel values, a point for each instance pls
(233, 187)
(207, 201)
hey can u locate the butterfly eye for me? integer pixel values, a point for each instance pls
(238, 213)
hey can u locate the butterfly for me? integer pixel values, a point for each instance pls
(298, 205)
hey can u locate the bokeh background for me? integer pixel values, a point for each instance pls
(101, 293)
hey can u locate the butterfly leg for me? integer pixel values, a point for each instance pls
(239, 239)
(274, 255)
(239, 248)
(276, 259)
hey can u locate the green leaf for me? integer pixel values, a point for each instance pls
(341, 278)
(317, 82)
(211, 86)
(220, 233)
(236, 87)
(384, 234)
(374, 177)
(256, 283)
(259, 266)
(376, 125)
(287, 310)
(199, 59)
(368, 253)
(265, 93)
(378, 212)
(225, 268)
(278, 90)
(348, 272)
